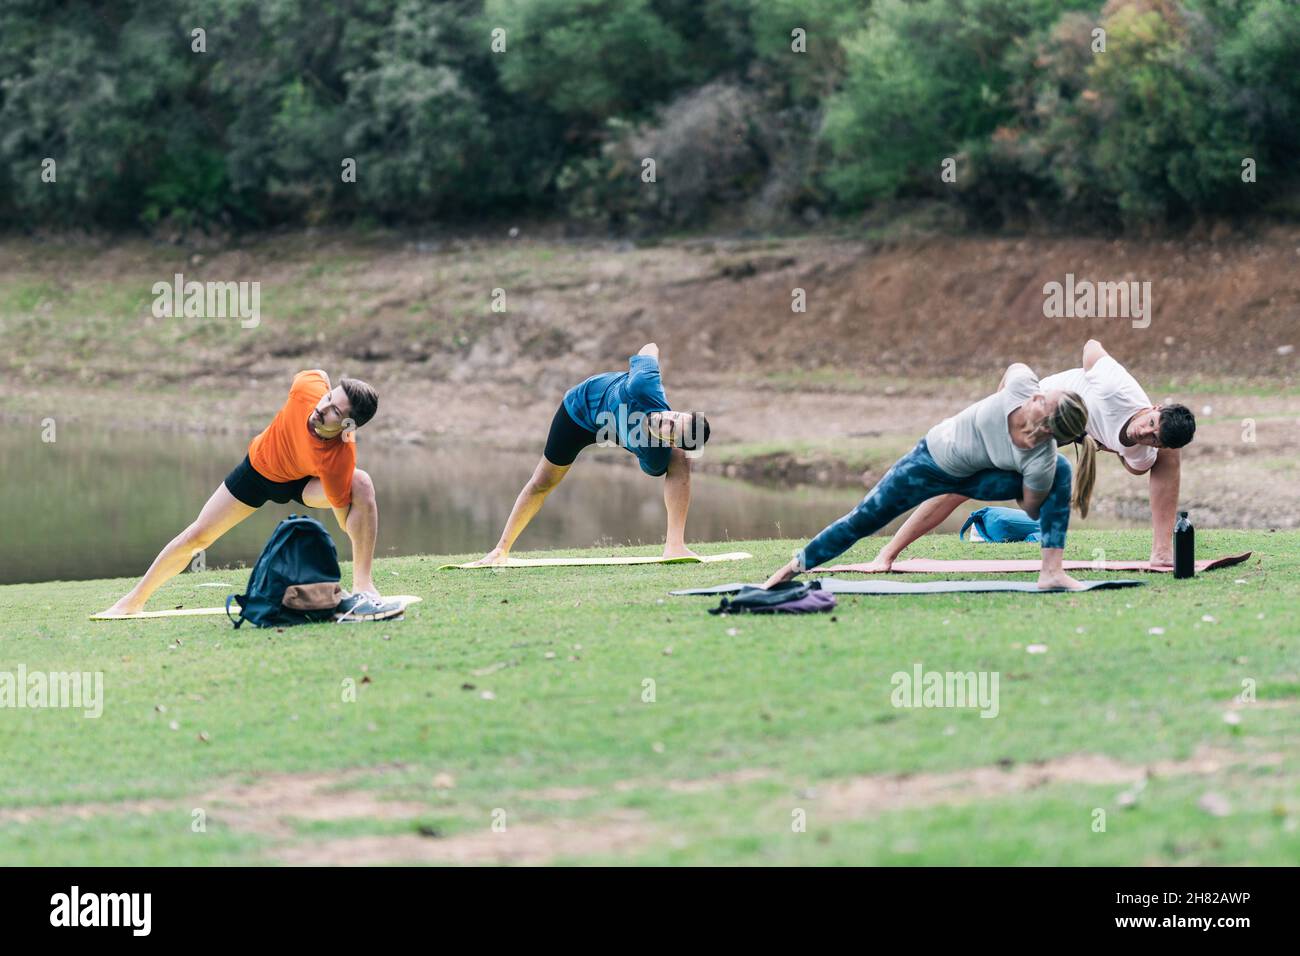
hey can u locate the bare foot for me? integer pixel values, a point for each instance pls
(1058, 579)
(121, 609)
(1161, 559)
(679, 552)
(786, 573)
(493, 557)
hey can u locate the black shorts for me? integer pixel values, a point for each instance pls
(566, 438)
(255, 489)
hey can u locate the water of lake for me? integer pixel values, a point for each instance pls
(100, 504)
(96, 504)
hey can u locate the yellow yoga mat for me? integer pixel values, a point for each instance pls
(601, 562)
(406, 599)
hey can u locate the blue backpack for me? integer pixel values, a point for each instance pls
(1001, 525)
(295, 581)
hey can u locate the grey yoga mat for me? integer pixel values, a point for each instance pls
(841, 586)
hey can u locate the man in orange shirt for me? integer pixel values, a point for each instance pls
(307, 454)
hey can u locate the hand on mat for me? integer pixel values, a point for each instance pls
(879, 565)
(495, 556)
(786, 573)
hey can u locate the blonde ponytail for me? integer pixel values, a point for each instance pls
(1069, 425)
(1085, 475)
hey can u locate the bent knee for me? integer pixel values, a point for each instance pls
(363, 487)
(1064, 472)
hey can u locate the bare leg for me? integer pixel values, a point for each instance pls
(221, 513)
(677, 500)
(1166, 476)
(928, 516)
(545, 477)
(361, 522)
(921, 522)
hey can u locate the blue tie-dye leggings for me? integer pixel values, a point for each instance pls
(916, 478)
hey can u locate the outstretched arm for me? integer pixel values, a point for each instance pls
(1166, 477)
(1092, 354)
(1015, 368)
(645, 386)
(677, 502)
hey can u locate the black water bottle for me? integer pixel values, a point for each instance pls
(1184, 547)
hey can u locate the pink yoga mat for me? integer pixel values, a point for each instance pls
(995, 566)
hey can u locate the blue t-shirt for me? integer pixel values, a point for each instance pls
(614, 405)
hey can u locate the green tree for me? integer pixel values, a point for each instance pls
(588, 59)
(922, 78)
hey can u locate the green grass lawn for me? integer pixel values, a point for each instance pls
(519, 698)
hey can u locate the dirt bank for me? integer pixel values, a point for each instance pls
(895, 336)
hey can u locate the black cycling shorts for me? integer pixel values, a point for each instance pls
(566, 438)
(254, 489)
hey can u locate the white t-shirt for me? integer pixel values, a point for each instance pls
(1113, 396)
(978, 438)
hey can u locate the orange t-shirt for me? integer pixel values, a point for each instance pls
(289, 450)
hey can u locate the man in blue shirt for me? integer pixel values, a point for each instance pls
(628, 409)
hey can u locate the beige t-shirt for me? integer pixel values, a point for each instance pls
(1113, 396)
(977, 438)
